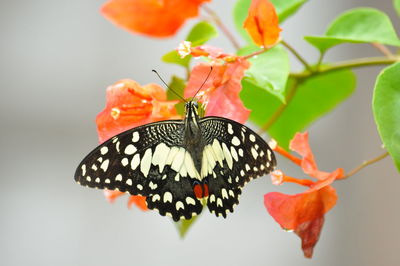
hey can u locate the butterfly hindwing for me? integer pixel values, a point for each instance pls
(235, 155)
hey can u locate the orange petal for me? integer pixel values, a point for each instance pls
(139, 201)
(221, 91)
(309, 233)
(290, 211)
(130, 105)
(300, 144)
(156, 18)
(111, 195)
(262, 23)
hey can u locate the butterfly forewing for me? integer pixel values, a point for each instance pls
(145, 161)
(235, 154)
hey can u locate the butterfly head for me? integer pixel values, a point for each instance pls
(191, 109)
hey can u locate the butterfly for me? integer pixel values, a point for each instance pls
(180, 165)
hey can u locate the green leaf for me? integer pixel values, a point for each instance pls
(386, 109)
(177, 85)
(284, 9)
(315, 97)
(396, 4)
(199, 34)
(357, 25)
(173, 57)
(268, 70)
(184, 225)
(287, 8)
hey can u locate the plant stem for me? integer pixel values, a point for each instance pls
(383, 49)
(221, 25)
(364, 164)
(291, 92)
(297, 55)
(360, 62)
(256, 53)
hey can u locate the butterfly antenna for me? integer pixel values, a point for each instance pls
(168, 86)
(209, 73)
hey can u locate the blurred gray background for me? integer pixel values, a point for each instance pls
(57, 58)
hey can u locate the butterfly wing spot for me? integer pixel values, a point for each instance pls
(88, 178)
(234, 154)
(130, 149)
(155, 198)
(107, 181)
(129, 182)
(177, 177)
(94, 167)
(179, 205)
(104, 150)
(135, 161)
(177, 162)
(117, 146)
(254, 153)
(269, 155)
(252, 138)
(190, 201)
(235, 141)
(145, 163)
(97, 180)
(140, 187)
(83, 168)
(118, 178)
(160, 156)
(228, 156)
(230, 129)
(152, 185)
(135, 136)
(104, 165)
(125, 161)
(167, 197)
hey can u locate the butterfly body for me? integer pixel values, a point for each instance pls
(177, 164)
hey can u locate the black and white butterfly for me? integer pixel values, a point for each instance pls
(177, 164)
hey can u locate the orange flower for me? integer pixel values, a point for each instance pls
(212, 52)
(220, 92)
(130, 105)
(262, 23)
(139, 201)
(155, 18)
(304, 212)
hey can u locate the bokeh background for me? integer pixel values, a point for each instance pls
(57, 58)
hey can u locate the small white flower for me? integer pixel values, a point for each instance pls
(184, 48)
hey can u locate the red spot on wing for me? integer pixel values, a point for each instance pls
(200, 190)
(205, 192)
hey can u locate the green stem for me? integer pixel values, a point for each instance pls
(291, 93)
(366, 163)
(360, 62)
(297, 55)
